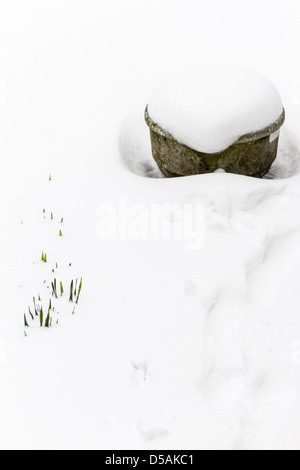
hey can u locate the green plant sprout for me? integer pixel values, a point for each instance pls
(41, 317)
(47, 321)
(79, 291)
(71, 291)
(75, 290)
(54, 289)
(44, 257)
(35, 309)
(25, 321)
(32, 317)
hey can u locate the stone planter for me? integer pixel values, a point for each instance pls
(251, 155)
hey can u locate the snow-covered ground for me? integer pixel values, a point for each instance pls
(168, 347)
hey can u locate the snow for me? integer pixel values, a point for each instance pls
(208, 108)
(168, 348)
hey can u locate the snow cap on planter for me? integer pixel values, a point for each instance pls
(215, 117)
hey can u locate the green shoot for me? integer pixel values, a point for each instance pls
(41, 317)
(60, 233)
(25, 322)
(79, 290)
(32, 317)
(54, 289)
(35, 309)
(47, 321)
(61, 288)
(71, 291)
(75, 290)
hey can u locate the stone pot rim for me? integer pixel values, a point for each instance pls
(251, 137)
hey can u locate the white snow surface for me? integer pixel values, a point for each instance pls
(168, 348)
(208, 108)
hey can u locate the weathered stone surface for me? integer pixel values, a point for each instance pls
(252, 155)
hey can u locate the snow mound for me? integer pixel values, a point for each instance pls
(208, 108)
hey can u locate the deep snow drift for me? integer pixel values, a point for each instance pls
(169, 348)
(209, 108)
